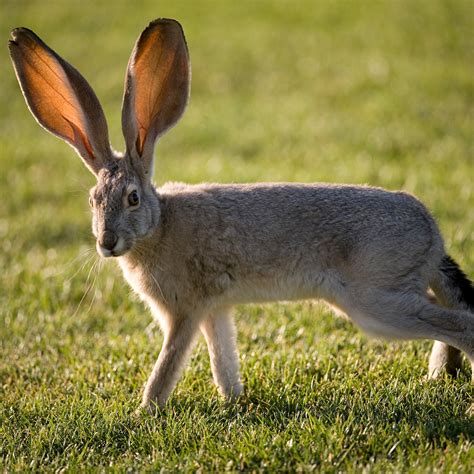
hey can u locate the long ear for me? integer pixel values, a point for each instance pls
(156, 88)
(59, 98)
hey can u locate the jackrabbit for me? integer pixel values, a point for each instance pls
(192, 252)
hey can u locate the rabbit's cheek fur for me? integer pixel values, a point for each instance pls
(140, 221)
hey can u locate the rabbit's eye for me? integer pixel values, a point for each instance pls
(133, 198)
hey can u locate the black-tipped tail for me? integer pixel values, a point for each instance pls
(458, 281)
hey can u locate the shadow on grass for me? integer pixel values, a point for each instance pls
(435, 417)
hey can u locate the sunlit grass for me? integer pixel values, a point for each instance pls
(362, 92)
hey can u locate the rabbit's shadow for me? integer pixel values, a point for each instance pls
(437, 422)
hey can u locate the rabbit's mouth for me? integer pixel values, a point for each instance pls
(116, 248)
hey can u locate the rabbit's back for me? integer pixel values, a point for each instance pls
(265, 217)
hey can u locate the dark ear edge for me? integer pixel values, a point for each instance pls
(157, 87)
(59, 98)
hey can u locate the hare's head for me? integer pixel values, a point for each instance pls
(124, 202)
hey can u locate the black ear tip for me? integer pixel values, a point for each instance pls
(163, 22)
(18, 33)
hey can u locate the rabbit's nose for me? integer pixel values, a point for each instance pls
(108, 240)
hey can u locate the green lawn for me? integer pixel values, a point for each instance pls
(342, 91)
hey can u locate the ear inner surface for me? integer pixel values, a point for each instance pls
(60, 98)
(156, 86)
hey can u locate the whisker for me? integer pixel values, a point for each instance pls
(81, 268)
(88, 288)
(97, 271)
(87, 252)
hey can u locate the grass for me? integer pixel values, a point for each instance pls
(361, 92)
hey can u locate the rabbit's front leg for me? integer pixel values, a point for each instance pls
(176, 348)
(219, 331)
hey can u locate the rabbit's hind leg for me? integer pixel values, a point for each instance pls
(444, 358)
(404, 315)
